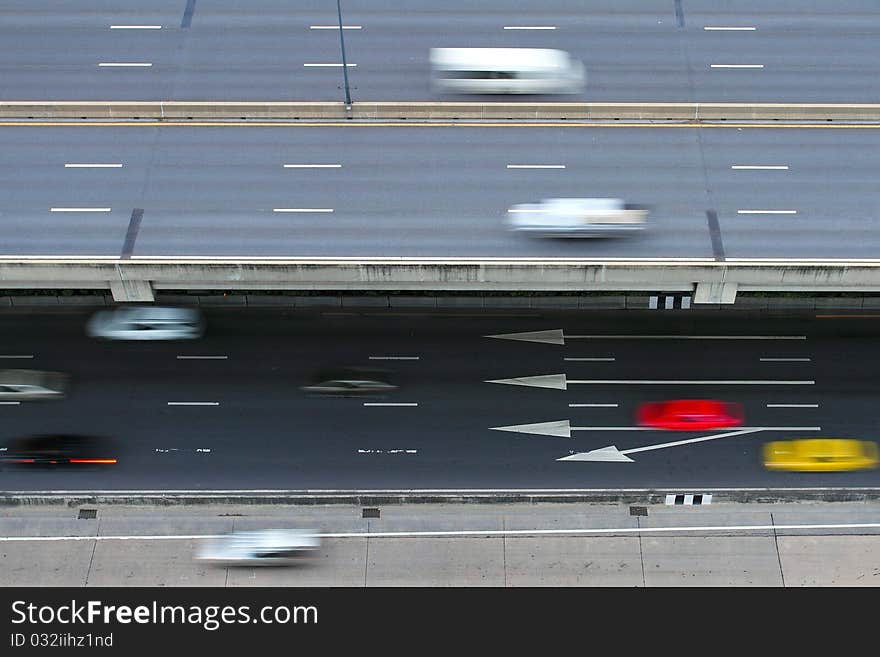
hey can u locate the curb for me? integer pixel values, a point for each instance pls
(374, 497)
(189, 110)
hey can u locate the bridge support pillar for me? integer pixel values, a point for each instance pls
(715, 293)
(132, 291)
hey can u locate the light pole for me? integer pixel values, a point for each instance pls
(344, 65)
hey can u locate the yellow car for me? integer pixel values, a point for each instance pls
(821, 455)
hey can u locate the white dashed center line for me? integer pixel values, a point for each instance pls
(590, 360)
(334, 27)
(761, 167)
(736, 66)
(79, 209)
(792, 405)
(14, 356)
(785, 360)
(10, 403)
(730, 29)
(394, 357)
(70, 165)
(202, 357)
(766, 211)
(312, 166)
(302, 209)
(390, 404)
(131, 64)
(193, 403)
(535, 166)
(329, 64)
(135, 27)
(529, 27)
(592, 405)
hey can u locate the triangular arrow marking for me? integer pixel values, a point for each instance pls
(560, 428)
(554, 381)
(605, 454)
(553, 336)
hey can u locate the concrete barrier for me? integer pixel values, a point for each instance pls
(494, 111)
(440, 496)
(712, 282)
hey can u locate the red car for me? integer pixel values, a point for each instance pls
(690, 414)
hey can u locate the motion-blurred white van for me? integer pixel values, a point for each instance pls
(506, 71)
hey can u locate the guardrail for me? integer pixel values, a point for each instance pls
(135, 279)
(205, 110)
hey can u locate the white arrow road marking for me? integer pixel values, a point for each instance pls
(556, 336)
(563, 429)
(560, 382)
(611, 453)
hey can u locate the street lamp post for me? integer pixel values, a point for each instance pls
(344, 64)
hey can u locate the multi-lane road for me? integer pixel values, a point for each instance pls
(226, 411)
(431, 190)
(640, 50)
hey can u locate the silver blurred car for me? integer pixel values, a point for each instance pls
(27, 385)
(577, 217)
(267, 547)
(146, 323)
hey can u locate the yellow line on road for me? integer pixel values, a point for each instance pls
(422, 124)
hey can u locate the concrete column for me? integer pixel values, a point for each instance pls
(715, 293)
(132, 291)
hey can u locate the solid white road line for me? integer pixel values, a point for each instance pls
(719, 382)
(334, 27)
(730, 29)
(475, 532)
(193, 403)
(394, 357)
(92, 166)
(130, 64)
(202, 357)
(10, 403)
(79, 209)
(686, 337)
(312, 166)
(766, 211)
(390, 404)
(535, 166)
(302, 209)
(590, 360)
(17, 356)
(792, 405)
(785, 360)
(761, 167)
(736, 65)
(135, 27)
(592, 405)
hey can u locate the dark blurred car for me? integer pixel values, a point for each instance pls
(351, 382)
(59, 449)
(32, 385)
(690, 414)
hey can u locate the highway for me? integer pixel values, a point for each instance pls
(238, 420)
(785, 51)
(432, 190)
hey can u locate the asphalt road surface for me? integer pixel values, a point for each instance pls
(368, 190)
(805, 376)
(797, 51)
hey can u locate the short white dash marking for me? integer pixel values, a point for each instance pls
(590, 360)
(736, 65)
(80, 209)
(535, 166)
(128, 64)
(335, 27)
(761, 167)
(135, 27)
(10, 403)
(302, 209)
(529, 27)
(92, 166)
(792, 405)
(202, 357)
(785, 360)
(394, 357)
(730, 29)
(17, 356)
(312, 166)
(592, 405)
(766, 211)
(340, 65)
(193, 403)
(390, 404)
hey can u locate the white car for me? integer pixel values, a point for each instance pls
(577, 217)
(268, 547)
(146, 323)
(32, 385)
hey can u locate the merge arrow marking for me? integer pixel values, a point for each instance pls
(554, 381)
(552, 336)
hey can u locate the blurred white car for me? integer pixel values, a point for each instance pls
(146, 323)
(506, 71)
(268, 547)
(577, 217)
(32, 385)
